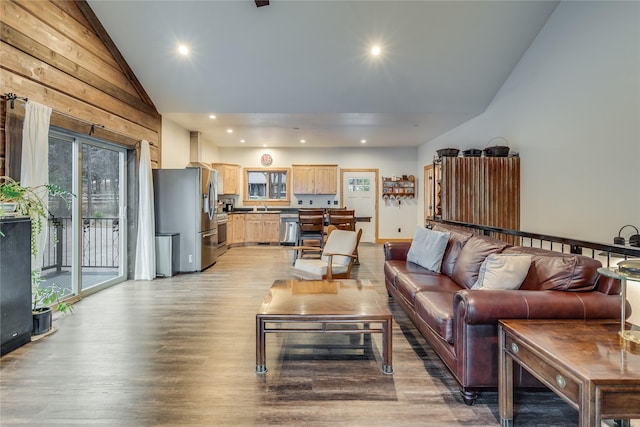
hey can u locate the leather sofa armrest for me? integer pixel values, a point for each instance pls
(396, 250)
(488, 306)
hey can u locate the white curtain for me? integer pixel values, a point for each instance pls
(145, 248)
(35, 161)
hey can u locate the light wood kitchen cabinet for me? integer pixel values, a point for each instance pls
(253, 228)
(262, 228)
(303, 179)
(235, 228)
(230, 230)
(315, 179)
(271, 228)
(227, 178)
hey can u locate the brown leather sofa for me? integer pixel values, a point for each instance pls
(461, 324)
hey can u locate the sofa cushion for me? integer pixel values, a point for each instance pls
(556, 271)
(436, 309)
(395, 267)
(477, 248)
(503, 271)
(457, 239)
(409, 284)
(427, 248)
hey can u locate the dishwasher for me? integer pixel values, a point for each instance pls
(289, 229)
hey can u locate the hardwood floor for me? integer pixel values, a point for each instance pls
(180, 351)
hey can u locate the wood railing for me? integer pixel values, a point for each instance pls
(608, 255)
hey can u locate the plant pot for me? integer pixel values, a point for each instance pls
(41, 320)
(7, 208)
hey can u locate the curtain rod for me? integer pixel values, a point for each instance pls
(11, 97)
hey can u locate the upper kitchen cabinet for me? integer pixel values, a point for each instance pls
(227, 178)
(315, 179)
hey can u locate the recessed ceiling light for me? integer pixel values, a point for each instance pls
(264, 145)
(375, 50)
(212, 116)
(303, 141)
(183, 49)
(229, 130)
(242, 141)
(363, 141)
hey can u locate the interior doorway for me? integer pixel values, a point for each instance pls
(359, 191)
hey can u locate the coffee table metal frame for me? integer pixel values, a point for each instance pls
(267, 322)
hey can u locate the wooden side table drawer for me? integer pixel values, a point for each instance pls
(560, 381)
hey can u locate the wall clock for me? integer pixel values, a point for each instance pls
(266, 159)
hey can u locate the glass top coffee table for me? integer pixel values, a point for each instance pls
(319, 306)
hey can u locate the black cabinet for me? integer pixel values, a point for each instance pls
(15, 283)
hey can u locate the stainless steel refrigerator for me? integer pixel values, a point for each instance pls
(185, 203)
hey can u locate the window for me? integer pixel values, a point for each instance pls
(266, 185)
(359, 184)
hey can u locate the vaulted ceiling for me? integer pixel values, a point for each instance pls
(297, 70)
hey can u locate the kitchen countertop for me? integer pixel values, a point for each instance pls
(251, 211)
(285, 213)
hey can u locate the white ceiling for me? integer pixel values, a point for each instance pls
(301, 69)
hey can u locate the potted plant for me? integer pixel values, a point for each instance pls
(16, 199)
(44, 297)
(28, 201)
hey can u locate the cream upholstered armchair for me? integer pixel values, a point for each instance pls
(336, 260)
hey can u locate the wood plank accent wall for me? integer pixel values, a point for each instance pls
(3, 120)
(58, 54)
(481, 190)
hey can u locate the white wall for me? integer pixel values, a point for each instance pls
(176, 144)
(571, 108)
(389, 161)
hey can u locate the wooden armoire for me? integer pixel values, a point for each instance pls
(478, 190)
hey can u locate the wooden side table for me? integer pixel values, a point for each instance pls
(583, 362)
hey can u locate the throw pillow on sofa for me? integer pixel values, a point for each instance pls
(499, 271)
(427, 248)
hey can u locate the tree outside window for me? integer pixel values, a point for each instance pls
(264, 185)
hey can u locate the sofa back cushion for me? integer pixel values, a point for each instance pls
(472, 255)
(457, 239)
(557, 271)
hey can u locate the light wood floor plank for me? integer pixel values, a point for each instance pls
(180, 351)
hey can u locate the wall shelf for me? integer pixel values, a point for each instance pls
(398, 188)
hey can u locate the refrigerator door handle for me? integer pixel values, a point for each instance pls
(209, 200)
(205, 202)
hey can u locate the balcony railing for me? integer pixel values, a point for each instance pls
(100, 243)
(606, 254)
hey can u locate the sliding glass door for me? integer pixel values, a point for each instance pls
(102, 196)
(86, 245)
